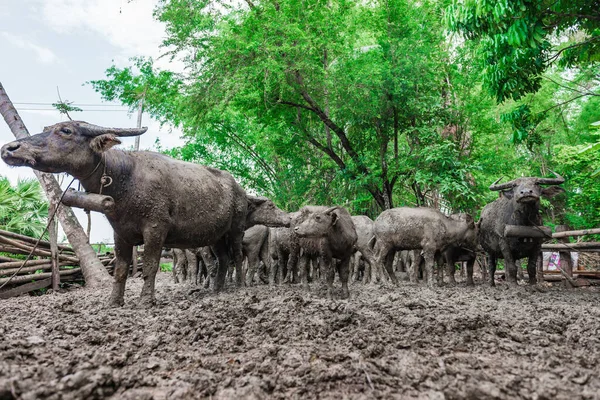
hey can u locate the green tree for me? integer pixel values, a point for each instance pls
(349, 87)
(23, 208)
(142, 88)
(521, 39)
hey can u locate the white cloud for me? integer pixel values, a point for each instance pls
(126, 25)
(44, 55)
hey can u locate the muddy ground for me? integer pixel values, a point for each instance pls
(285, 343)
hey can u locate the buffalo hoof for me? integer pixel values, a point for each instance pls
(345, 294)
(470, 283)
(116, 303)
(146, 302)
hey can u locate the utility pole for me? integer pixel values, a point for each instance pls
(134, 267)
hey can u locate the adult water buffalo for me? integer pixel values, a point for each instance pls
(518, 204)
(407, 228)
(364, 249)
(159, 201)
(334, 229)
(255, 248)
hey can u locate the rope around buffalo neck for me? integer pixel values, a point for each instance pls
(51, 217)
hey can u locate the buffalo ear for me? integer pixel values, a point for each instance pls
(508, 193)
(552, 191)
(102, 143)
(334, 218)
(469, 220)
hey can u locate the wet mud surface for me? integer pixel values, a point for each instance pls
(285, 343)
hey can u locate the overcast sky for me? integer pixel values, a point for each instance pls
(64, 43)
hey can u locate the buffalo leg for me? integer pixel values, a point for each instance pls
(303, 268)
(292, 267)
(451, 269)
(153, 243)
(519, 270)
(124, 256)
(492, 268)
(211, 264)
(510, 266)
(238, 258)
(470, 264)
(429, 262)
(180, 265)
(344, 275)
(356, 262)
(329, 268)
(389, 266)
(384, 252)
(532, 267)
(253, 264)
(222, 253)
(416, 265)
(279, 265)
(192, 261)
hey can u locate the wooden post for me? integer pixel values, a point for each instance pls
(53, 233)
(566, 264)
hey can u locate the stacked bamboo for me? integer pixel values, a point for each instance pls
(36, 272)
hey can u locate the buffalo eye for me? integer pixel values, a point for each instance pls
(66, 131)
(318, 217)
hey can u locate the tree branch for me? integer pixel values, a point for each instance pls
(558, 53)
(332, 125)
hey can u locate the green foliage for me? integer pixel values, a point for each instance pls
(291, 103)
(157, 90)
(372, 105)
(517, 39)
(166, 267)
(578, 167)
(23, 208)
(64, 107)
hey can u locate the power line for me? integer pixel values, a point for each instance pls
(54, 109)
(72, 104)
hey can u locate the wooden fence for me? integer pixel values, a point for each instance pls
(18, 276)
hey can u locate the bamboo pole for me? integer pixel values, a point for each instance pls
(27, 287)
(35, 252)
(93, 270)
(34, 277)
(576, 233)
(18, 263)
(31, 240)
(584, 246)
(29, 270)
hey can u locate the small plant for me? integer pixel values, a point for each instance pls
(166, 267)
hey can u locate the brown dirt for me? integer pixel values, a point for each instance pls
(285, 343)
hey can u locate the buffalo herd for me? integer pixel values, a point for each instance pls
(215, 227)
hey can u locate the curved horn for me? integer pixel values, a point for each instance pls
(97, 130)
(551, 181)
(502, 186)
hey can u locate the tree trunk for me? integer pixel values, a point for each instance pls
(94, 272)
